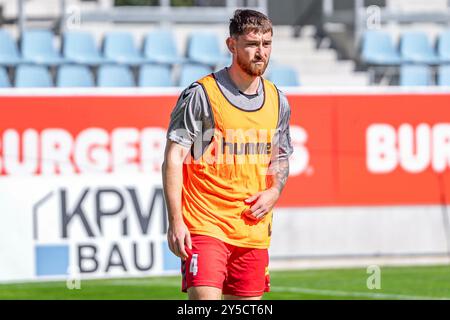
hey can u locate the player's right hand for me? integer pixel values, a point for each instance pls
(178, 236)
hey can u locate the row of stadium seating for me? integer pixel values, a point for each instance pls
(155, 75)
(422, 75)
(108, 75)
(414, 47)
(114, 75)
(79, 55)
(37, 47)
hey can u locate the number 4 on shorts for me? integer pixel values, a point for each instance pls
(193, 268)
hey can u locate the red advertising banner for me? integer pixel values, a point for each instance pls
(78, 134)
(350, 149)
(372, 149)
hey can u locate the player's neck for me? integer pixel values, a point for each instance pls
(244, 82)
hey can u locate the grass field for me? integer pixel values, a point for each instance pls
(424, 282)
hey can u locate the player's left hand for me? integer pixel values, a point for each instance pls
(263, 202)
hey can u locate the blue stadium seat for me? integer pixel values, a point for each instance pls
(415, 75)
(378, 49)
(37, 47)
(204, 48)
(79, 47)
(74, 76)
(225, 63)
(282, 75)
(33, 76)
(4, 80)
(443, 46)
(119, 47)
(444, 75)
(160, 47)
(9, 54)
(155, 75)
(415, 47)
(192, 72)
(115, 76)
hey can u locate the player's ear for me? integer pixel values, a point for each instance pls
(231, 44)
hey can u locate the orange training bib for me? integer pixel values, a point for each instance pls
(231, 169)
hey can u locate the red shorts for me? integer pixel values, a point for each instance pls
(237, 271)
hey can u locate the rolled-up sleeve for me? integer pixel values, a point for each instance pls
(282, 141)
(187, 116)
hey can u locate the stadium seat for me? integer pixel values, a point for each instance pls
(444, 75)
(378, 49)
(37, 47)
(115, 76)
(160, 47)
(119, 47)
(79, 47)
(155, 75)
(33, 76)
(204, 48)
(74, 76)
(282, 75)
(4, 80)
(9, 54)
(443, 46)
(415, 47)
(415, 75)
(225, 63)
(192, 72)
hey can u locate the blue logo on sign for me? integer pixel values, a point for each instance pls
(170, 261)
(52, 260)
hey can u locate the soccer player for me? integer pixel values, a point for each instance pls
(225, 165)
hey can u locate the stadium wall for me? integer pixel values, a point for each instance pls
(80, 180)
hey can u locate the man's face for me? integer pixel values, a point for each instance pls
(252, 52)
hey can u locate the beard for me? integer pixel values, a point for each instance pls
(250, 67)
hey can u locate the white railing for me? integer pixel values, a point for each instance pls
(163, 13)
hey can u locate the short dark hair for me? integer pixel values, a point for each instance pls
(245, 21)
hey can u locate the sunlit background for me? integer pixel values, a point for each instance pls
(86, 92)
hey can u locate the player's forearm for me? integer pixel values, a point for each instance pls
(279, 172)
(172, 174)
